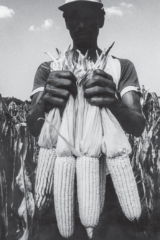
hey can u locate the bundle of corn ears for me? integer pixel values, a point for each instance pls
(75, 145)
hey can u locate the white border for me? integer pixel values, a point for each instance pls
(128, 89)
(40, 89)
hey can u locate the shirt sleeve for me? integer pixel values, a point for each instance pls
(40, 78)
(129, 79)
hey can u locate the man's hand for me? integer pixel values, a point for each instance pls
(100, 90)
(59, 85)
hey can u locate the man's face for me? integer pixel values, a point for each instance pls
(83, 25)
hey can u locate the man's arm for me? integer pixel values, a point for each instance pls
(128, 113)
(36, 111)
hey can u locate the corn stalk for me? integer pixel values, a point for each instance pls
(16, 152)
(145, 159)
(3, 187)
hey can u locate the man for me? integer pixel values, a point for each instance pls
(52, 89)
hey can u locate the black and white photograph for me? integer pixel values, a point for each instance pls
(79, 120)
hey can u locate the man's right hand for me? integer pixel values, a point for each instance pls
(59, 86)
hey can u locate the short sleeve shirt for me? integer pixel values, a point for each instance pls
(128, 77)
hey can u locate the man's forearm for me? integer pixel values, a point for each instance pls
(130, 119)
(36, 112)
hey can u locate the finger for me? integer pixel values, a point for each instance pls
(54, 101)
(64, 75)
(102, 74)
(99, 81)
(63, 84)
(101, 101)
(56, 92)
(98, 91)
(59, 82)
(49, 107)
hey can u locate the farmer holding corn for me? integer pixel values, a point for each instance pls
(52, 89)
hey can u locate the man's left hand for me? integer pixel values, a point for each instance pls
(100, 89)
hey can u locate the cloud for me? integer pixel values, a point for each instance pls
(6, 12)
(32, 28)
(47, 24)
(113, 11)
(119, 11)
(123, 4)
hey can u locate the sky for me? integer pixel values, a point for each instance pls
(28, 28)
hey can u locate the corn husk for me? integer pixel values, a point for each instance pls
(48, 136)
(115, 142)
(89, 127)
(90, 144)
(67, 130)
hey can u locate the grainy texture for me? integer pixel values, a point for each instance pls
(64, 175)
(87, 170)
(44, 178)
(125, 186)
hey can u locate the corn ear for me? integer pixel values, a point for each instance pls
(64, 175)
(125, 186)
(87, 170)
(44, 178)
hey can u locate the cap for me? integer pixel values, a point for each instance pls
(68, 3)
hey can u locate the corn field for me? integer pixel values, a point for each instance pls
(18, 161)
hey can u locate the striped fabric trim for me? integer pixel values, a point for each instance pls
(128, 89)
(40, 89)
